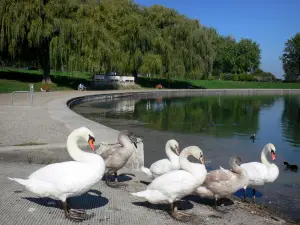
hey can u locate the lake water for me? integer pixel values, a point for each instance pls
(221, 126)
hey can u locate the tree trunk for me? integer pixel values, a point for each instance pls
(45, 61)
(135, 73)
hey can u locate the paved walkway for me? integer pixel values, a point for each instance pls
(112, 206)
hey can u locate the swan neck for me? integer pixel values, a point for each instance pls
(264, 159)
(77, 154)
(127, 146)
(124, 141)
(192, 168)
(171, 155)
(237, 169)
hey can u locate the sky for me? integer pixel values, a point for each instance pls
(268, 22)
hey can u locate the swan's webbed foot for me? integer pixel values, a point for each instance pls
(113, 183)
(182, 216)
(179, 215)
(77, 215)
(215, 207)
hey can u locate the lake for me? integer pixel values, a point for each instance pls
(221, 126)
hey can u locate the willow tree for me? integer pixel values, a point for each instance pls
(34, 24)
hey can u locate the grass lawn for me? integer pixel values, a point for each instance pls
(222, 84)
(8, 86)
(75, 74)
(12, 79)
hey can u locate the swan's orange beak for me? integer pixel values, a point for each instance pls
(202, 160)
(91, 142)
(273, 156)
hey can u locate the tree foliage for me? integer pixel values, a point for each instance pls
(291, 58)
(121, 36)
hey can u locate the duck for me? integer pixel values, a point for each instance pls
(61, 181)
(222, 182)
(290, 167)
(163, 166)
(261, 172)
(253, 137)
(170, 187)
(115, 158)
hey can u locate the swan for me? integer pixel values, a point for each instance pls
(174, 185)
(165, 165)
(222, 182)
(259, 173)
(115, 158)
(61, 181)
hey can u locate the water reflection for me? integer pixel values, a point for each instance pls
(290, 120)
(223, 116)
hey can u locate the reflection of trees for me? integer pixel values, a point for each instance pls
(194, 114)
(290, 121)
(231, 114)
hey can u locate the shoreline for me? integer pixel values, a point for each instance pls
(51, 112)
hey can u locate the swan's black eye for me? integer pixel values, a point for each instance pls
(272, 151)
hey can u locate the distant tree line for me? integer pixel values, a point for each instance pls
(121, 36)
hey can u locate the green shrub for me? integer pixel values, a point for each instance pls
(180, 84)
(236, 77)
(226, 76)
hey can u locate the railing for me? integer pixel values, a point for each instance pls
(31, 91)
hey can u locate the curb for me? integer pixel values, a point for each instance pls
(56, 153)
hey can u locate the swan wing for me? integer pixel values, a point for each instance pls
(161, 167)
(257, 172)
(68, 176)
(219, 175)
(174, 184)
(107, 153)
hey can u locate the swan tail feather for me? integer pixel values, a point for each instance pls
(142, 194)
(147, 171)
(20, 181)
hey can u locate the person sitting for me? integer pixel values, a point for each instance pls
(81, 87)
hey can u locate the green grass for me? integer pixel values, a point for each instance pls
(222, 84)
(8, 86)
(79, 75)
(12, 79)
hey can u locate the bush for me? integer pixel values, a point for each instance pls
(226, 76)
(245, 77)
(235, 77)
(180, 84)
(262, 76)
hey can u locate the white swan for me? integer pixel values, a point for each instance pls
(61, 181)
(115, 158)
(222, 182)
(165, 165)
(259, 173)
(174, 185)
